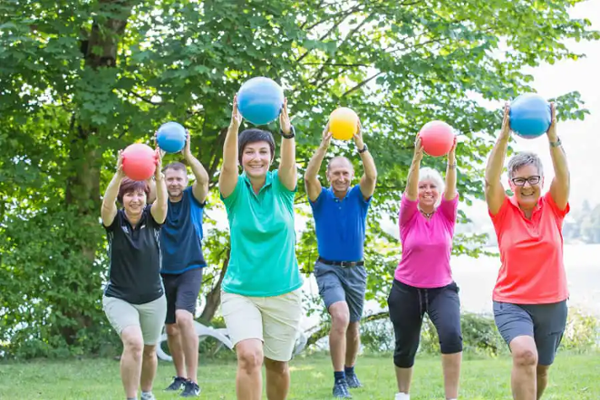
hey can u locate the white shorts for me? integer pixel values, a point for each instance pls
(150, 317)
(273, 320)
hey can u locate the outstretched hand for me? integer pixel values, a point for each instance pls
(552, 134)
(358, 139)
(506, 121)
(186, 149)
(418, 156)
(326, 137)
(236, 117)
(120, 164)
(158, 163)
(284, 119)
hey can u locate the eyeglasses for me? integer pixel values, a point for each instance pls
(533, 180)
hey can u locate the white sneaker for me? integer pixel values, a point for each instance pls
(402, 396)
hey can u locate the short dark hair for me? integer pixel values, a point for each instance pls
(254, 135)
(130, 186)
(177, 166)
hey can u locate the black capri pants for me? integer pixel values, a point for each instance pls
(408, 305)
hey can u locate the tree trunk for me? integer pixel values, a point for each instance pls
(83, 184)
(323, 330)
(213, 298)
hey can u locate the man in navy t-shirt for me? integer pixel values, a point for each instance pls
(182, 263)
(340, 213)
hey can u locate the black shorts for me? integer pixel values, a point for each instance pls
(409, 304)
(182, 292)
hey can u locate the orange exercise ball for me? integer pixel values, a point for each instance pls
(343, 123)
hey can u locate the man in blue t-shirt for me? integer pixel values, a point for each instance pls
(182, 263)
(340, 213)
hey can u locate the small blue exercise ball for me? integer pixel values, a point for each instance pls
(260, 100)
(530, 115)
(171, 137)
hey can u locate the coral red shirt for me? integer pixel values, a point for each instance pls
(531, 252)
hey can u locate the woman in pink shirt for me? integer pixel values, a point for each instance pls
(423, 280)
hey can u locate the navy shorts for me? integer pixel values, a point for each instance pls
(182, 292)
(546, 323)
(337, 283)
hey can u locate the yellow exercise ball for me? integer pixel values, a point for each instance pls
(343, 123)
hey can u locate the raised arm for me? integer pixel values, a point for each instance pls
(412, 183)
(369, 178)
(159, 207)
(494, 191)
(109, 209)
(229, 170)
(450, 191)
(311, 179)
(560, 187)
(287, 167)
(200, 186)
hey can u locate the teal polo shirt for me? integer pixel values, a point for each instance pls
(263, 260)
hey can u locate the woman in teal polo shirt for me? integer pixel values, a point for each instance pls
(261, 300)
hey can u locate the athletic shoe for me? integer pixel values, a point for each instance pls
(353, 381)
(178, 383)
(191, 389)
(147, 396)
(340, 389)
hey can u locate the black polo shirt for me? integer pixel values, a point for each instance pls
(134, 254)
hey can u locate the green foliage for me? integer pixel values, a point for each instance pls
(81, 79)
(481, 337)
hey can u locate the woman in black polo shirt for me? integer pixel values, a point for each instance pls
(134, 300)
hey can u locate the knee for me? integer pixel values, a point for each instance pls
(250, 359)
(542, 371)
(134, 346)
(353, 330)
(277, 367)
(149, 351)
(525, 357)
(451, 341)
(340, 318)
(184, 319)
(404, 358)
(172, 330)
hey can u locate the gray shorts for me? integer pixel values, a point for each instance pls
(544, 322)
(337, 283)
(150, 317)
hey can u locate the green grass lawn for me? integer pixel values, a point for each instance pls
(573, 377)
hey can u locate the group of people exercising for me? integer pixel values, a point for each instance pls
(156, 262)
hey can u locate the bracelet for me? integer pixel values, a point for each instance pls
(452, 166)
(556, 144)
(291, 135)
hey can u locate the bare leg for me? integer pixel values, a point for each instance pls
(352, 343)
(403, 378)
(542, 379)
(149, 364)
(340, 316)
(248, 383)
(523, 377)
(278, 379)
(185, 322)
(176, 349)
(451, 366)
(131, 359)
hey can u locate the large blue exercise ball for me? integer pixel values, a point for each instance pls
(530, 115)
(260, 100)
(171, 137)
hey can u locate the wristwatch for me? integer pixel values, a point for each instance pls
(291, 135)
(555, 144)
(365, 148)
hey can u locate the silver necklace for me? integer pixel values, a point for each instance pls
(427, 215)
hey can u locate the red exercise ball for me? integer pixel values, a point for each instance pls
(139, 162)
(437, 138)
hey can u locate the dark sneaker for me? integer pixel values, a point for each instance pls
(191, 389)
(353, 381)
(178, 383)
(340, 389)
